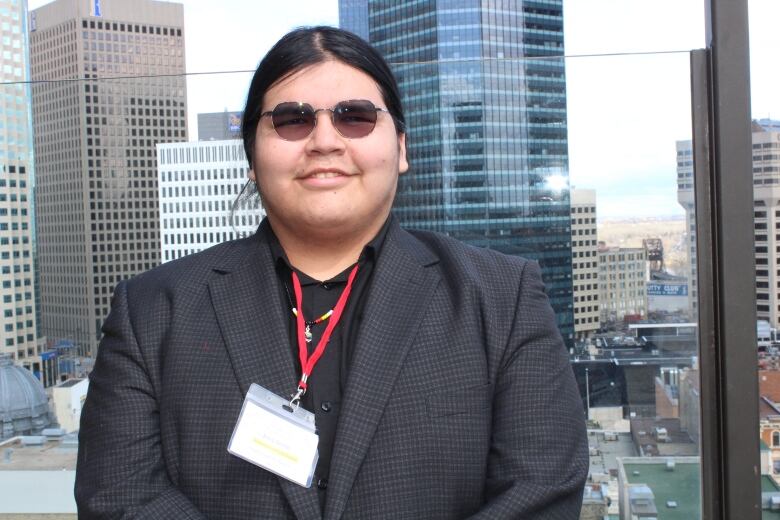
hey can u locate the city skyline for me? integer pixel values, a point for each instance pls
(607, 126)
(625, 123)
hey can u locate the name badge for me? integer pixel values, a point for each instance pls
(271, 434)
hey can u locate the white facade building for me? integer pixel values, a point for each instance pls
(585, 266)
(198, 185)
(68, 398)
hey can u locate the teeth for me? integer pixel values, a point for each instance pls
(325, 175)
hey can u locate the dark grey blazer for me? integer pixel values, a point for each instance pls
(460, 399)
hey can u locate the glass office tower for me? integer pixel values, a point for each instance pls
(484, 91)
(18, 318)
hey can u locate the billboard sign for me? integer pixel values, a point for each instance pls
(234, 123)
(667, 289)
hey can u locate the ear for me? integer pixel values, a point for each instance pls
(403, 164)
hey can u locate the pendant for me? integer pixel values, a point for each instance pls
(307, 333)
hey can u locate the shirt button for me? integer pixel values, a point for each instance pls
(322, 484)
(325, 286)
(326, 406)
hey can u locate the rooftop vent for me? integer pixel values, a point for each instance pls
(33, 440)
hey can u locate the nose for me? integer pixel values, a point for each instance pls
(324, 138)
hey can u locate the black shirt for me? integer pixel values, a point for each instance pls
(328, 379)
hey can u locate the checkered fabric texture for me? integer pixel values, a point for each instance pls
(460, 401)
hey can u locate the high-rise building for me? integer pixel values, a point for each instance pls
(199, 183)
(484, 93)
(218, 126)
(18, 337)
(766, 216)
(685, 197)
(110, 85)
(585, 262)
(353, 16)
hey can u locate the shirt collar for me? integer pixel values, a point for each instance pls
(369, 254)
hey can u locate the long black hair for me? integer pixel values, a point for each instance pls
(308, 46)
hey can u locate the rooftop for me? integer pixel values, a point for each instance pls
(680, 485)
(604, 453)
(769, 384)
(673, 442)
(52, 455)
(70, 382)
(768, 485)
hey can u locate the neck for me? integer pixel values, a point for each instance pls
(323, 255)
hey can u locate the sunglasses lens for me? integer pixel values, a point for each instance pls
(293, 121)
(354, 118)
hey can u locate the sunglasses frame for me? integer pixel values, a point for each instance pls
(314, 111)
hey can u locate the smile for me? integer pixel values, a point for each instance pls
(325, 175)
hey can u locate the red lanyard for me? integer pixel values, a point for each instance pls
(308, 362)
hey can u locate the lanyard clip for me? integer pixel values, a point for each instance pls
(296, 398)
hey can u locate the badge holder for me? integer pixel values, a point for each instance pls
(272, 434)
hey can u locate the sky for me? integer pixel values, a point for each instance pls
(624, 112)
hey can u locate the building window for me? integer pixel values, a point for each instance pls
(776, 439)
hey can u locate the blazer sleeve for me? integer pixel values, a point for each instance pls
(120, 470)
(538, 459)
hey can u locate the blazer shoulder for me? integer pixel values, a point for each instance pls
(196, 268)
(471, 262)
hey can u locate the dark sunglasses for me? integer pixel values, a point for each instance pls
(353, 119)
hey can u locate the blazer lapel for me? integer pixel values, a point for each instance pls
(245, 295)
(399, 293)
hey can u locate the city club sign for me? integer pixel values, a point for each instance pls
(667, 289)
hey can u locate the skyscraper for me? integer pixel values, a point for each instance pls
(17, 274)
(685, 196)
(484, 93)
(95, 137)
(766, 216)
(585, 269)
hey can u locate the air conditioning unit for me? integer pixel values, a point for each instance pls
(661, 434)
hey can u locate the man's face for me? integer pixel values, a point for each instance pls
(326, 181)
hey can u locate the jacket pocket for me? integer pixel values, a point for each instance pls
(460, 400)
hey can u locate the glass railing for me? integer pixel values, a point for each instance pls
(582, 163)
(635, 351)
